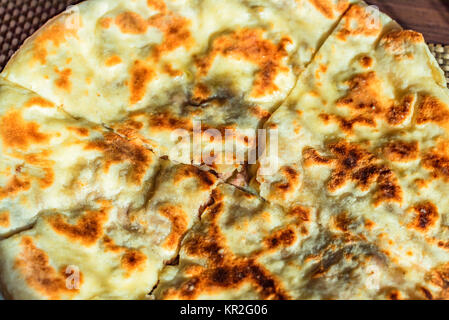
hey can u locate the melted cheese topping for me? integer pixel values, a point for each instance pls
(368, 135)
(98, 202)
(226, 63)
(52, 161)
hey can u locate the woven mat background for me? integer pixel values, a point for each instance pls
(19, 19)
(442, 54)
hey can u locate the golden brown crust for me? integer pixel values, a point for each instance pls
(87, 230)
(56, 32)
(426, 215)
(63, 82)
(133, 261)
(401, 151)
(437, 161)
(131, 22)
(378, 152)
(35, 266)
(141, 75)
(224, 269)
(291, 181)
(39, 101)
(431, 109)
(206, 179)
(439, 276)
(179, 220)
(5, 219)
(358, 22)
(325, 7)
(368, 105)
(395, 41)
(18, 133)
(117, 149)
(14, 186)
(250, 45)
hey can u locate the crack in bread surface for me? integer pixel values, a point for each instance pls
(426, 216)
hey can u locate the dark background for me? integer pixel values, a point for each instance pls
(430, 17)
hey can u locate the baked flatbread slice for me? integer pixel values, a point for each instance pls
(51, 161)
(253, 54)
(147, 68)
(363, 137)
(245, 248)
(92, 59)
(77, 255)
(97, 251)
(370, 82)
(354, 202)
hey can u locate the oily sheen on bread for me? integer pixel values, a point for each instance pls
(246, 248)
(147, 68)
(49, 160)
(366, 127)
(98, 202)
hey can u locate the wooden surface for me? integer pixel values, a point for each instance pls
(430, 17)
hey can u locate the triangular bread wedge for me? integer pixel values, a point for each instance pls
(51, 161)
(363, 138)
(98, 251)
(245, 248)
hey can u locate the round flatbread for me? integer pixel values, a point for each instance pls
(363, 140)
(123, 125)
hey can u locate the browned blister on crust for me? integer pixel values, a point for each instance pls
(98, 197)
(366, 128)
(164, 65)
(103, 251)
